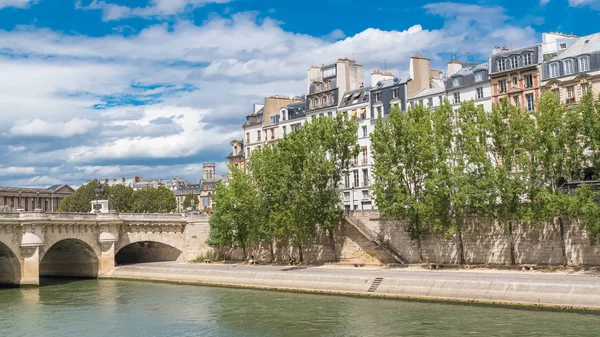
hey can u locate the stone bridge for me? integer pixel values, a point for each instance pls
(89, 245)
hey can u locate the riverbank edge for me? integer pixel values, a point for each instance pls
(426, 299)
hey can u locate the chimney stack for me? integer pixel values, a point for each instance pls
(453, 67)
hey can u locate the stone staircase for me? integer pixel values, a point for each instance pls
(377, 238)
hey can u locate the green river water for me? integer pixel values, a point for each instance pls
(126, 308)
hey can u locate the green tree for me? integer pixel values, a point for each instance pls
(189, 200)
(404, 153)
(154, 200)
(234, 221)
(120, 198)
(81, 200)
(509, 134)
(461, 177)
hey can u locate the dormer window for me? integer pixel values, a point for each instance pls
(568, 65)
(455, 82)
(584, 63)
(479, 76)
(527, 59)
(501, 63)
(553, 70)
(514, 62)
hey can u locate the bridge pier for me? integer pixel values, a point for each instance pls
(30, 266)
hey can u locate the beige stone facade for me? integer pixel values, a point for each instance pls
(30, 199)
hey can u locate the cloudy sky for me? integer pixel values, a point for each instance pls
(108, 88)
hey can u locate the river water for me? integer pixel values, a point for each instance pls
(127, 308)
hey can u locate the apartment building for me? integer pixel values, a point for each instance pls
(575, 70)
(356, 192)
(515, 75)
(236, 158)
(291, 117)
(469, 82)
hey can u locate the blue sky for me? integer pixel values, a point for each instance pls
(92, 89)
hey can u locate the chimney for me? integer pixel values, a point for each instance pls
(505, 48)
(453, 67)
(378, 75)
(420, 73)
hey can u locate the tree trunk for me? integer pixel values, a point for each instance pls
(419, 249)
(244, 250)
(300, 256)
(511, 243)
(332, 244)
(461, 250)
(272, 252)
(563, 247)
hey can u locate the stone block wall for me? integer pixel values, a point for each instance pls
(488, 243)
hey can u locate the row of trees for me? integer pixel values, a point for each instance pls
(122, 199)
(434, 169)
(289, 190)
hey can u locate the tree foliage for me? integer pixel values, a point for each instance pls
(295, 186)
(121, 199)
(190, 200)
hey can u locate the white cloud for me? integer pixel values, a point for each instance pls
(12, 170)
(156, 8)
(179, 92)
(593, 4)
(41, 128)
(16, 3)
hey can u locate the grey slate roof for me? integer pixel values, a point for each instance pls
(296, 110)
(389, 83)
(588, 46)
(466, 75)
(584, 45)
(429, 92)
(359, 96)
(536, 59)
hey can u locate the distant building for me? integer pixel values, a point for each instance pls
(129, 182)
(236, 158)
(31, 199)
(180, 195)
(207, 186)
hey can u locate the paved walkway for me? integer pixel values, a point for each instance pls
(556, 289)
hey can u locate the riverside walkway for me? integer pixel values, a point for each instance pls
(580, 291)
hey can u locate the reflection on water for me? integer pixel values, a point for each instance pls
(123, 308)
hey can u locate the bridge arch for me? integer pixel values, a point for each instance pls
(70, 257)
(147, 251)
(10, 267)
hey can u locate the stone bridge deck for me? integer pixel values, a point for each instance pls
(86, 245)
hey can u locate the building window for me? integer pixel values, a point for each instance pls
(365, 194)
(346, 196)
(527, 59)
(378, 97)
(379, 112)
(441, 98)
(502, 86)
(514, 62)
(430, 102)
(556, 93)
(365, 156)
(569, 69)
(330, 114)
(456, 97)
(480, 93)
(324, 101)
(584, 88)
(516, 100)
(501, 63)
(515, 81)
(395, 92)
(412, 104)
(347, 181)
(356, 182)
(528, 81)
(571, 92)
(284, 131)
(247, 137)
(364, 131)
(553, 70)
(272, 134)
(455, 82)
(530, 102)
(258, 135)
(479, 76)
(365, 177)
(331, 100)
(563, 46)
(584, 64)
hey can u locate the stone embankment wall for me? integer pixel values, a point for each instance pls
(350, 246)
(489, 243)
